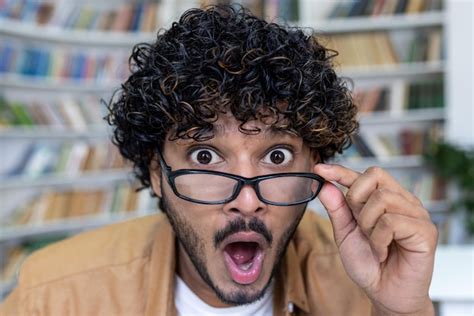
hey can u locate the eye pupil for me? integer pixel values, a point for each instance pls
(204, 157)
(277, 157)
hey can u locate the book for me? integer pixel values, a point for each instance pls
(70, 15)
(35, 60)
(362, 147)
(71, 158)
(52, 205)
(364, 49)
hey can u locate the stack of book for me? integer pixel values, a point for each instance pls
(374, 99)
(62, 62)
(61, 113)
(51, 205)
(383, 146)
(382, 48)
(345, 9)
(424, 185)
(134, 16)
(401, 96)
(271, 10)
(67, 158)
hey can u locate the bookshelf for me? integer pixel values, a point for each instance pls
(59, 176)
(394, 27)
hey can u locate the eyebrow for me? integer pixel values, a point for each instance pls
(222, 129)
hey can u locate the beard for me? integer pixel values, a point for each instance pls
(194, 246)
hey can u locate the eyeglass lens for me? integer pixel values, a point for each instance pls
(215, 188)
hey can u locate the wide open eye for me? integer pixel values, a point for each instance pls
(205, 156)
(279, 156)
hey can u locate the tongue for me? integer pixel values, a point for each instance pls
(243, 261)
(241, 252)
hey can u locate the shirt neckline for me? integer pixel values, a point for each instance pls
(185, 296)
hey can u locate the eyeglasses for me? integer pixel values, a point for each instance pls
(214, 187)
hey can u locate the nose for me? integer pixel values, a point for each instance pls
(246, 203)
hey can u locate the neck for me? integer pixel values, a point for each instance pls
(188, 273)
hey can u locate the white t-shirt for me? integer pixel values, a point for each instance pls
(187, 303)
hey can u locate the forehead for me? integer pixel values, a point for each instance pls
(228, 129)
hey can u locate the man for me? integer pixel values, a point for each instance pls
(229, 120)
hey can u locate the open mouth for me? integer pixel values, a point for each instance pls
(243, 259)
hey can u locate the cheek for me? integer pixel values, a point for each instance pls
(199, 218)
(284, 222)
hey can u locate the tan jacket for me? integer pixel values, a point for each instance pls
(129, 269)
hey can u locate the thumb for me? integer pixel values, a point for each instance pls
(340, 214)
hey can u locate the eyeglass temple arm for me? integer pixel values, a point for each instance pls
(163, 163)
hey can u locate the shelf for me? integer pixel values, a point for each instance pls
(16, 81)
(47, 133)
(435, 208)
(409, 116)
(398, 71)
(65, 226)
(395, 71)
(66, 180)
(394, 162)
(377, 23)
(61, 36)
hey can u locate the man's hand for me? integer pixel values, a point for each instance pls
(385, 237)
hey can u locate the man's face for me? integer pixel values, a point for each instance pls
(230, 251)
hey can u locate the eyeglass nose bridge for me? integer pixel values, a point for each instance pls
(252, 182)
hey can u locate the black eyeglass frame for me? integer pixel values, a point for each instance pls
(241, 181)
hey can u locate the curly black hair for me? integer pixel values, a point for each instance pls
(223, 59)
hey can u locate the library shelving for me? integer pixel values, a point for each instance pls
(405, 42)
(56, 67)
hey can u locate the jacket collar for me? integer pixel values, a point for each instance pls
(162, 269)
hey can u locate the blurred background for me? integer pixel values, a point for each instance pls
(409, 64)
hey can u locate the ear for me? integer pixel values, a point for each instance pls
(155, 176)
(315, 157)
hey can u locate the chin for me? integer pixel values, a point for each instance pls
(245, 282)
(238, 294)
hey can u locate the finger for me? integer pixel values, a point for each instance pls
(337, 173)
(339, 212)
(383, 201)
(411, 234)
(372, 179)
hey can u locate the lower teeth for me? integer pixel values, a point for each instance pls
(246, 266)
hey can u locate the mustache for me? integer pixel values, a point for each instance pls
(239, 225)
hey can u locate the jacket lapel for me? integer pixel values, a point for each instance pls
(160, 296)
